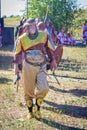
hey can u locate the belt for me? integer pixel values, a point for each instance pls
(35, 64)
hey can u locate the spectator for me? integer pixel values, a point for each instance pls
(62, 37)
(85, 32)
(70, 39)
(50, 31)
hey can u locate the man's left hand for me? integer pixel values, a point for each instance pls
(53, 64)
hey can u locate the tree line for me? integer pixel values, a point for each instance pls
(61, 12)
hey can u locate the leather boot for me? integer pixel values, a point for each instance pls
(30, 108)
(38, 104)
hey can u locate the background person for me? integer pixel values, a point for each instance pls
(85, 32)
(19, 29)
(62, 37)
(50, 31)
(41, 26)
(70, 40)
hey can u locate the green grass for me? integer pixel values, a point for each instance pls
(12, 22)
(65, 106)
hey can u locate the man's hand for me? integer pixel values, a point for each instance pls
(16, 69)
(53, 65)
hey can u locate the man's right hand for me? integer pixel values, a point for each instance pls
(16, 69)
(53, 65)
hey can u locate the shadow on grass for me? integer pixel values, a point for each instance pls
(58, 89)
(76, 92)
(58, 126)
(73, 111)
(71, 65)
(7, 47)
(6, 62)
(5, 80)
(71, 77)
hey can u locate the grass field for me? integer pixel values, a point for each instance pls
(65, 106)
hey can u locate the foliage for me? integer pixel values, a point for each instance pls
(12, 21)
(80, 18)
(75, 26)
(61, 12)
(37, 8)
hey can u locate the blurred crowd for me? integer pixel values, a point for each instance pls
(55, 38)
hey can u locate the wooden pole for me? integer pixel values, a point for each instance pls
(27, 8)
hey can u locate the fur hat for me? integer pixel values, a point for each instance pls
(31, 21)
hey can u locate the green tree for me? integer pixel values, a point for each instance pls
(61, 12)
(37, 8)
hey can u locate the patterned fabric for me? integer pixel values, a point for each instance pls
(34, 56)
(34, 76)
(24, 43)
(40, 43)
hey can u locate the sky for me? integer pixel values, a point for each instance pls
(14, 7)
(83, 3)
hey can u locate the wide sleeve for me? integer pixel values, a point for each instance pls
(18, 52)
(49, 50)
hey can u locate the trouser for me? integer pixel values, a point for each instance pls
(34, 77)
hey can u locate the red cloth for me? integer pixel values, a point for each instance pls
(68, 34)
(0, 30)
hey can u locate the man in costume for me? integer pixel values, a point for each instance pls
(41, 26)
(35, 46)
(51, 32)
(19, 29)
